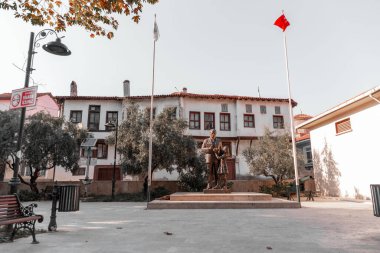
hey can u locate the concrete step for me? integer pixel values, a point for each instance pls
(274, 203)
(234, 200)
(234, 196)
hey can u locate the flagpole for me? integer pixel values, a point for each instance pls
(151, 122)
(291, 122)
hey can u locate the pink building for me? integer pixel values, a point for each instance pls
(45, 102)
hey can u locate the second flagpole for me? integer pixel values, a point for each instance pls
(155, 33)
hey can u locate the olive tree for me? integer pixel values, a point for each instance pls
(47, 142)
(272, 157)
(173, 150)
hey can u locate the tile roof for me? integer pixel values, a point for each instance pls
(302, 117)
(7, 95)
(303, 137)
(177, 94)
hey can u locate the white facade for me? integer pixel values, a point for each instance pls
(238, 136)
(356, 149)
(110, 104)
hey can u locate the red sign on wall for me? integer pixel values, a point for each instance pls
(26, 97)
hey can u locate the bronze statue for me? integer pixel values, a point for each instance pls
(210, 147)
(222, 171)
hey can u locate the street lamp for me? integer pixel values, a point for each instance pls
(55, 47)
(114, 126)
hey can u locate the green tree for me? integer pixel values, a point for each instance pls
(9, 125)
(47, 142)
(96, 16)
(272, 157)
(172, 149)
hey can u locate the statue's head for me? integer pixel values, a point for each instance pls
(212, 133)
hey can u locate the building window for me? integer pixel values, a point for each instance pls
(76, 116)
(225, 122)
(249, 120)
(173, 112)
(224, 107)
(147, 110)
(209, 119)
(79, 171)
(102, 150)
(278, 122)
(248, 108)
(263, 109)
(343, 126)
(307, 154)
(277, 110)
(195, 120)
(111, 117)
(93, 117)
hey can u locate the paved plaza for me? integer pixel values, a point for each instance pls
(338, 226)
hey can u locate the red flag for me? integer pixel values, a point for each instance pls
(282, 22)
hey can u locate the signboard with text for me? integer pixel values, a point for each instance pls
(25, 97)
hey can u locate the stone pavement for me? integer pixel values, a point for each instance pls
(127, 227)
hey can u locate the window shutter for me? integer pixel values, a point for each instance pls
(343, 126)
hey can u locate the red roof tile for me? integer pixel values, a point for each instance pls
(302, 117)
(176, 94)
(303, 137)
(7, 96)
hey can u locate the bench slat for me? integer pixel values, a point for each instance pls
(19, 220)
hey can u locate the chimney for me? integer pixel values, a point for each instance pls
(73, 89)
(184, 90)
(126, 86)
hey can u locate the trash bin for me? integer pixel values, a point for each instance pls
(375, 192)
(68, 198)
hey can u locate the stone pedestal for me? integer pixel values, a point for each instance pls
(216, 191)
(217, 199)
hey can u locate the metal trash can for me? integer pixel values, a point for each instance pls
(68, 198)
(375, 192)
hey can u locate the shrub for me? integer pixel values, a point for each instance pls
(159, 192)
(25, 195)
(274, 190)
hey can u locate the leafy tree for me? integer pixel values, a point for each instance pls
(194, 179)
(9, 125)
(47, 142)
(272, 157)
(172, 149)
(92, 15)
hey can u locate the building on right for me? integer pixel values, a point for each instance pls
(345, 146)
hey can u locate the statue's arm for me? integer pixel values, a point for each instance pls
(205, 149)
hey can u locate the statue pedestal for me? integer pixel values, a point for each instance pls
(221, 200)
(217, 191)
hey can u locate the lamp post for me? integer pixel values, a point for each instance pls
(115, 126)
(54, 47)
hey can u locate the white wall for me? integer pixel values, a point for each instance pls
(356, 152)
(236, 108)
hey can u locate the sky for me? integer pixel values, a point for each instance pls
(213, 47)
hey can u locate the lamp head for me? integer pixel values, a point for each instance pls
(57, 47)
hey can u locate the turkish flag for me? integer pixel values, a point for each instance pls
(282, 22)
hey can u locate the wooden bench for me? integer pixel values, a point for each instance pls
(12, 212)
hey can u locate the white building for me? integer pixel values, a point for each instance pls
(351, 131)
(239, 121)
